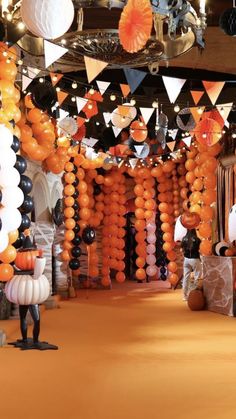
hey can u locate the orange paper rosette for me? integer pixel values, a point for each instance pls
(135, 25)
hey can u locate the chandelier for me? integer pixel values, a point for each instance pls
(177, 29)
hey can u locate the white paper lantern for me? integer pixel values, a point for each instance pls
(180, 230)
(232, 224)
(11, 218)
(6, 137)
(9, 177)
(118, 120)
(47, 19)
(132, 111)
(12, 197)
(7, 158)
(4, 240)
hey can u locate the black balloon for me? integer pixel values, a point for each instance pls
(163, 270)
(97, 190)
(21, 164)
(25, 223)
(19, 242)
(43, 95)
(76, 229)
(163, 278)
(16, 144)
(76, 240)
(228, 21)
(0, 224)
(75, 170)
(25, 184)
(76, 206)
(89, 235)
(28, 205)
(74, 264)
(76, 182)
(76, 217)
(0, 195)
(76, 252)
(76, 194)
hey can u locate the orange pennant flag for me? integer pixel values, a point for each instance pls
(93, 67)
(125, 89)
(213, 89)
(171, 145)
(80, 121)
(123, 110)
(55, 78)
(61, 96)
(196, 95)
(197, 113)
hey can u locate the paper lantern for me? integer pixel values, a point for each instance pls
(180, 230)
(138, 131)
(47, 19)
(132, 110)
(135, 25)
(208, 132)
(232, 224)
(119, 120)
(228, 21)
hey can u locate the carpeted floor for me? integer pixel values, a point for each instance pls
(130, 353)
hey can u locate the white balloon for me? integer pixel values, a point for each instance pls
(12, 197)
(151, 228)
(9, 177)
(11, 218)
(151, 259)
(7, 158)
(47, 19)
(151, 238)
(151, 270)
(180, 230)
(151, 249)
(6, 137)
(4, 240)
(232, 224)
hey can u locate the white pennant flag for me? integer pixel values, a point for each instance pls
(33, 72)
(25, 82)
(173, 133)
(103, 85)
(224, 110)
(53, 52)
(63, 114)
(107, 117)
(139, 149)
(116, 131)
(90, 153)
(133, 162)
(173, 87)
(80, 102)
(90, 141)
(187, 141)
(146, 113)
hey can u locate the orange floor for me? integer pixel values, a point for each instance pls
(130, 353)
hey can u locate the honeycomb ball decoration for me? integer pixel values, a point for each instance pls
(228, 21)
(48, 19)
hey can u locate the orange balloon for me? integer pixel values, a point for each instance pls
(13, 236)
(172, 267)
(157, 171)
(139, 190)
(138, 131)
(206, 247)
(190, 177)
(207, 213)
(141, 274)
(69, 177)
(65, 256)
(209, 181)
(34, 116)
(6, 272)
(120, 277)
(69, 201)
(82, 187)
(67, 245)
(8, 255)
(69, 167)
(85, 214)
(8, 70)
(198, 184)
(139, 202)
(205, 230)
(173, 278)
(70, 223)
(171, 256)
(209, 196)
(167, 237)
(165, 218)
(69, 190)
(139, 214)
(166, 227)
(69, 235)
(140, 225)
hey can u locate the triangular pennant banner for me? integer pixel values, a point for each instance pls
(33, 72)
(173, 87)
(133, 162)
(25, 82)
(52, 53)
(134, 78)
(80, 102)
(125, 89)
(171, 145)
(120, 163)
(139, 149)
(146, 113)
(103, 86)
(90, 142)
(62, 114)
(61, 96)
(172, 133)
(197, 113)
(225, 110)
(174, 155)
(185, 118)
(107, 117)
(80, 121)
(187, 141)
(196, 95)
(93, 67)
(123, 110)
(213, 89)
(116, 131)
(55, 78)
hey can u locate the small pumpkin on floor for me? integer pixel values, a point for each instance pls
(196, 300)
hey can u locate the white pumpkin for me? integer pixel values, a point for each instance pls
(48, 19)
(27, 289)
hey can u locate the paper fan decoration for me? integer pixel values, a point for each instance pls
(68, 126)
(135, 25)
(208, 132)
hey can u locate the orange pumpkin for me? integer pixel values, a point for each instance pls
(25, 259)
(190, 220)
